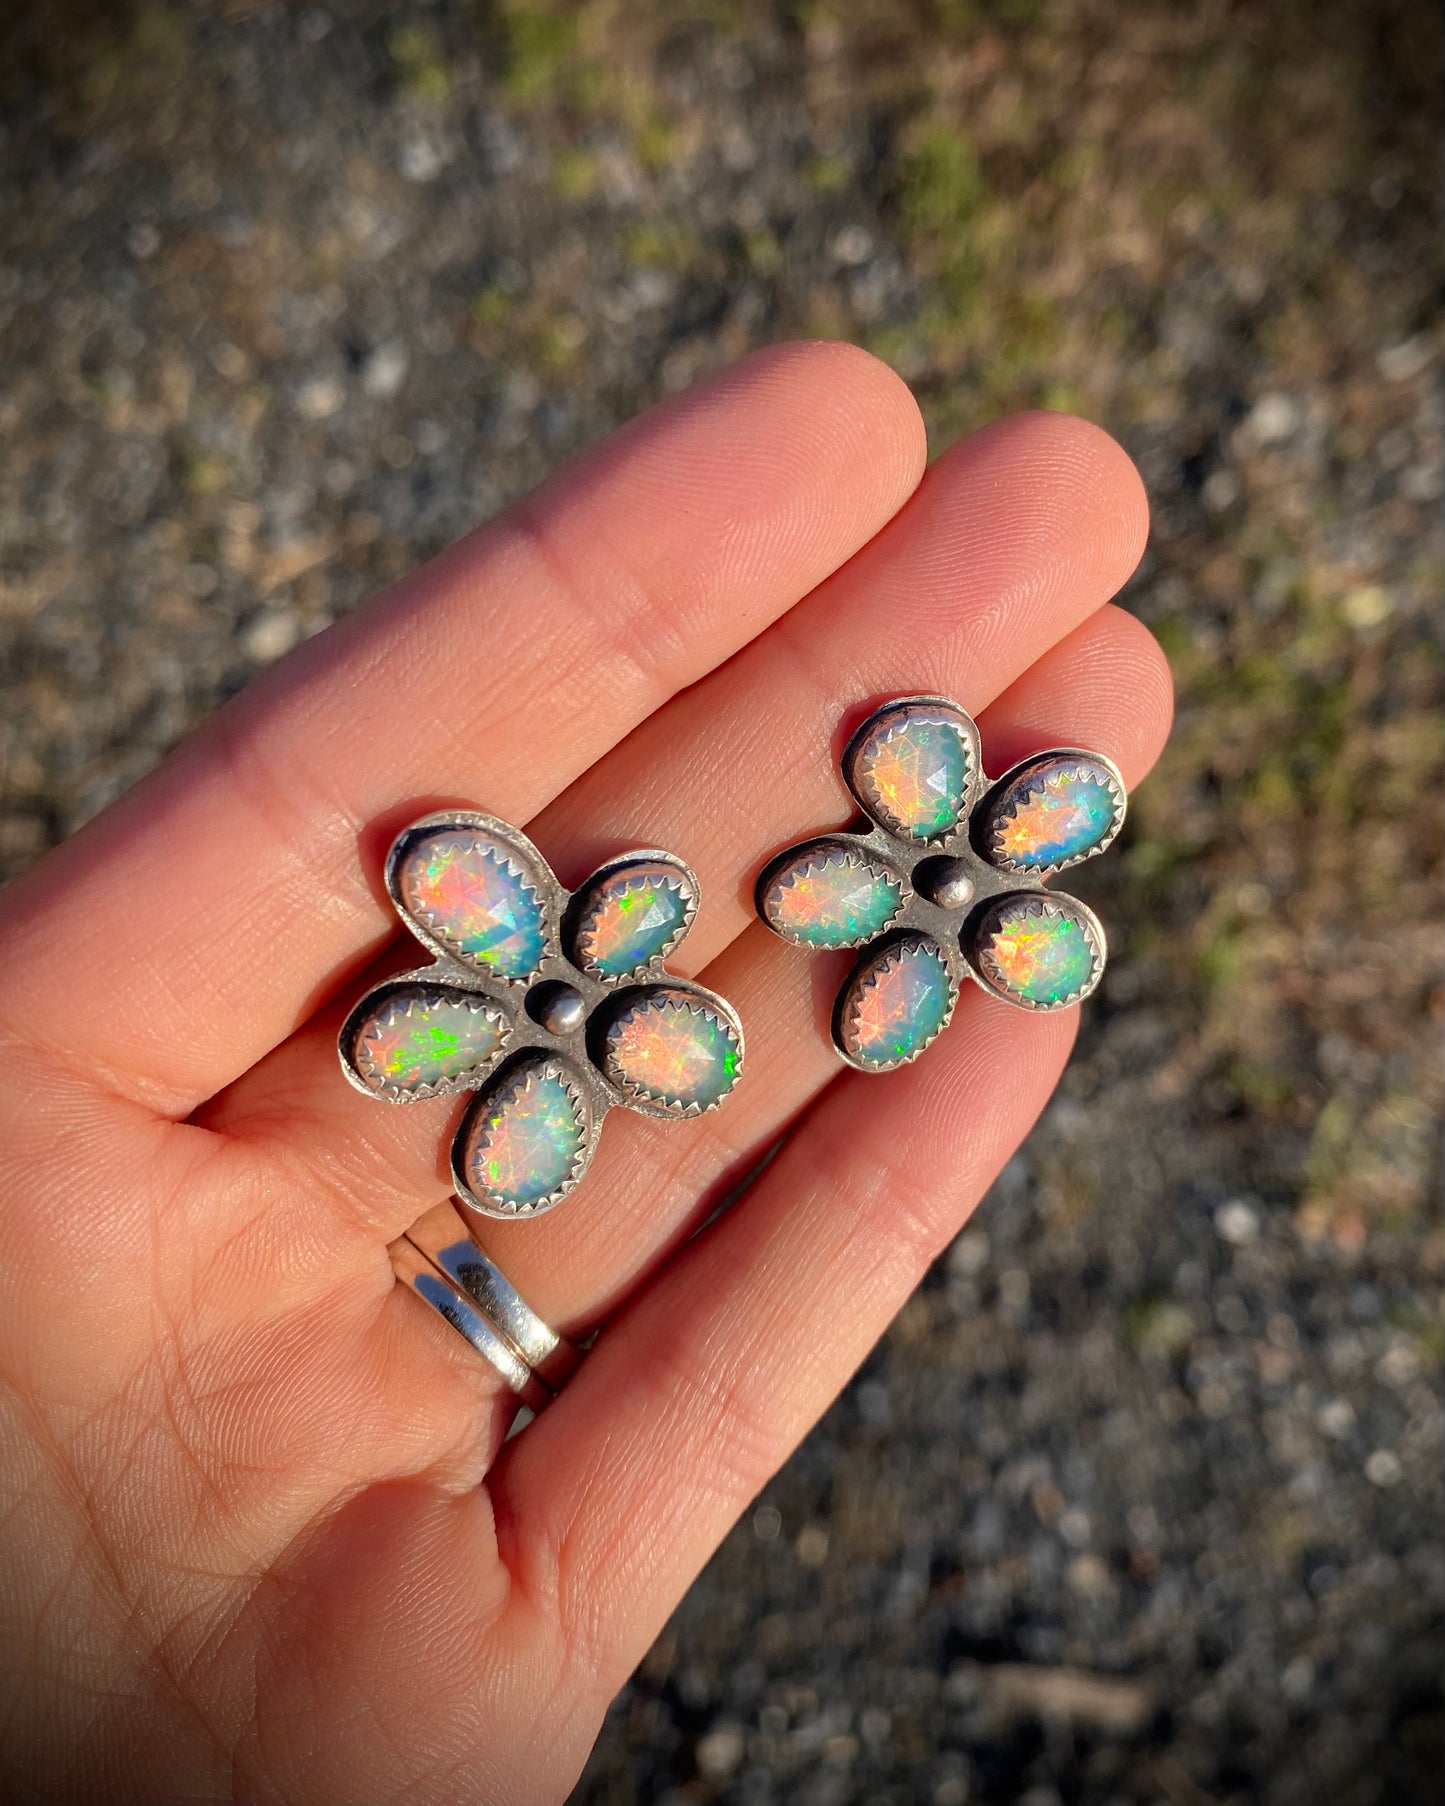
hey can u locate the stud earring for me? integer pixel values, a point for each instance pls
(552, 1006)
(945, 883)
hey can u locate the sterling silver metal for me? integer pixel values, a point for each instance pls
(417, 1273)
(952, 881)
(443, 1238)
(565, 1008)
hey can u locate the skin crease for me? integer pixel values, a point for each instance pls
(261, 1540)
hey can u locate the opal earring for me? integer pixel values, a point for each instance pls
(945, 881)
(552, 1006)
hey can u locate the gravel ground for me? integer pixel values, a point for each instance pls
(1140, 1499)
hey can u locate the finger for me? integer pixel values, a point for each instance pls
(1107, 686)
(575, 1265)
(225, 895)
(709, 1379)
(1015, 536)
(1012, 538)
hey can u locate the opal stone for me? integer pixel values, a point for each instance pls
(635, 914)
(1039, 950)
(828, 895)
(667, 1048)
(529, 1138)
(914, 769)
(1055, 812)
(895, 1003)
(421, 1039)
(470, 894)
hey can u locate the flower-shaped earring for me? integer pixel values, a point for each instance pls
(551, 1006)
(947, 880)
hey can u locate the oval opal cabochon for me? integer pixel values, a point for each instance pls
(419, 1040)
(528, 1138)
(831, 895)
(914, 768)
(897, 1001)
(472, 895)
(1055, 812)
(632, 916)
(667, 1048)
(1040, 950)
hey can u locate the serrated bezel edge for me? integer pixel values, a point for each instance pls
(526, 1069)
(638, 1095)
(852, 986)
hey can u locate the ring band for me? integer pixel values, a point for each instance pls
(417, 1273)
(441, 1235)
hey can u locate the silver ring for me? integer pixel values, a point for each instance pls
(417, 1273)
(442, 1236)
(444, 1243)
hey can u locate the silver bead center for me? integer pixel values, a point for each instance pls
(946, 882)
(557, 1007)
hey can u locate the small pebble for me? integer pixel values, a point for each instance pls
(720, 1750)
(1237, 1223)
(767, 1522)
(384, 370)
(270, 636)
(1336, 1419)
(1383, 1469)
(852, 245)
(1272, 419)
(1408, 358)
(811, 1547)
(319, 397)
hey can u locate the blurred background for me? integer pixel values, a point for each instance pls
(1140, 1499)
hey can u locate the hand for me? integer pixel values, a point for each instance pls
(261, 1538)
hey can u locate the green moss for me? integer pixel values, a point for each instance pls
(541, 48)
(137, 61)
(895, 342)
(941, 184)
(421, 70)
(557, 343)
(1220, 962)
(1160, 1328)
(1174, 637)
(1426, 1333)
(651, 134)
(558, 55)
(828, 175)
(1262, 1087)
(661, 244)
(575, 175)
(1153, 867)
(492, 306)
(204, 474)
(1077, 165)
(762, 251)
(1273, 787)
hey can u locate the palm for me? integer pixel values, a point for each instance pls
(247, 1550)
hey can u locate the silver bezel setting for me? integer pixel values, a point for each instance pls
(522, 861)
(882, 958)
(991, 817)
(1042, 904)
(810, 855)
(952, 929)
(394, 993)
(524, 1070)
(930, 711)
(705, 1004)
(576, 1050)
(587, 900)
